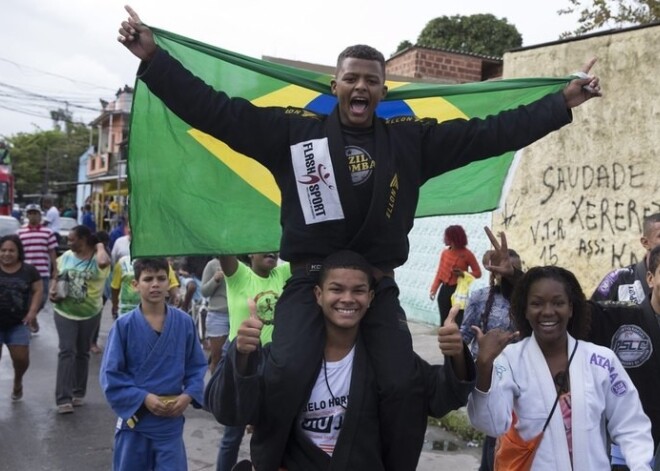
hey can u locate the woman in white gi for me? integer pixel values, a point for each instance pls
(596, 395)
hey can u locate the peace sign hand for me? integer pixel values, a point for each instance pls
(498, 260)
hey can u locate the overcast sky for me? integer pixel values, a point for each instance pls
(67, 50)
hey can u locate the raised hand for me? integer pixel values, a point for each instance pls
(583, 88)
(492, 343)
(249, 333)
(136, 36)
(449, 335)
(498, 260)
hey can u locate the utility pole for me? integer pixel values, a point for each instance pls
(44, 189)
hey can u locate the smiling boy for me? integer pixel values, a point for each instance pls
(153, 367)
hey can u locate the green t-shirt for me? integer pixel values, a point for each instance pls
(84, 300)
(122, 279)
(246, 283)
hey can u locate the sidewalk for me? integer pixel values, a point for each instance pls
(202, 434)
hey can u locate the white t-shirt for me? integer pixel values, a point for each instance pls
(53, 218)
(323, 415)
(121, 248)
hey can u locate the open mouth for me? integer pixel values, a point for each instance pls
(359, 105)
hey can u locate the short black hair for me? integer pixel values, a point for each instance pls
(346, 259)
(84, 232)
(103, 237)
(654, 259)
(580, 322)
(17, 241)
(361, 51)
(149, 264)
(649, 221)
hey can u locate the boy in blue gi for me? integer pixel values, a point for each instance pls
(152, 369)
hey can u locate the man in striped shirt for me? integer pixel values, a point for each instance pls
(39, 243)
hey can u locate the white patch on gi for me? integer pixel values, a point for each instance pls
(633, 293)
(632, 345)
(315, 181)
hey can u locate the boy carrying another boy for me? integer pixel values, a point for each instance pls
(152, 369)
(338, 426)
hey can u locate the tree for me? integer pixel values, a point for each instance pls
(403, 45)
(479, 34)
(43, 158)
(595, 14)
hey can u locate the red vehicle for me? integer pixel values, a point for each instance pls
(6, 190)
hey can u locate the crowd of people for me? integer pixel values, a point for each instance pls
(315, 355)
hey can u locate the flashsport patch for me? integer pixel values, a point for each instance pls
(632, 345)
(315, 181)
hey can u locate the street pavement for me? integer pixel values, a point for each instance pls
(34, 437)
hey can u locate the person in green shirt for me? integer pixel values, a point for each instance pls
(264, 282)
(86, 265)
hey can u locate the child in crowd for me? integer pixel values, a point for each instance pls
(152, 369)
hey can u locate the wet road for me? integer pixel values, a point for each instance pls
(34, 436)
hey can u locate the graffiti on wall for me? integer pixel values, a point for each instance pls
(588, 211)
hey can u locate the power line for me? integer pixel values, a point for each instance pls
(23, 66)
(45, 97)
(29, 113)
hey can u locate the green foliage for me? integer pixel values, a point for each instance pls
(458, 423)
(403, 45)
(595, 14)
(42, 158)
(478, 34)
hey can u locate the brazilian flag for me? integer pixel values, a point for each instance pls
(191, 194)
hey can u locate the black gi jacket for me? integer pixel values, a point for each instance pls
(633, 333)
(408, 151)
(235, 400)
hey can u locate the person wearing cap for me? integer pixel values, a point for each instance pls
(39, 243)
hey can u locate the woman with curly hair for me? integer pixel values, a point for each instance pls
(455, 260)
(554, 378)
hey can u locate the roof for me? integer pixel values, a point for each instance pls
(450, 51)
(607, 32)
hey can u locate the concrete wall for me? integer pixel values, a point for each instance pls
(426, 242)
(579, 195)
